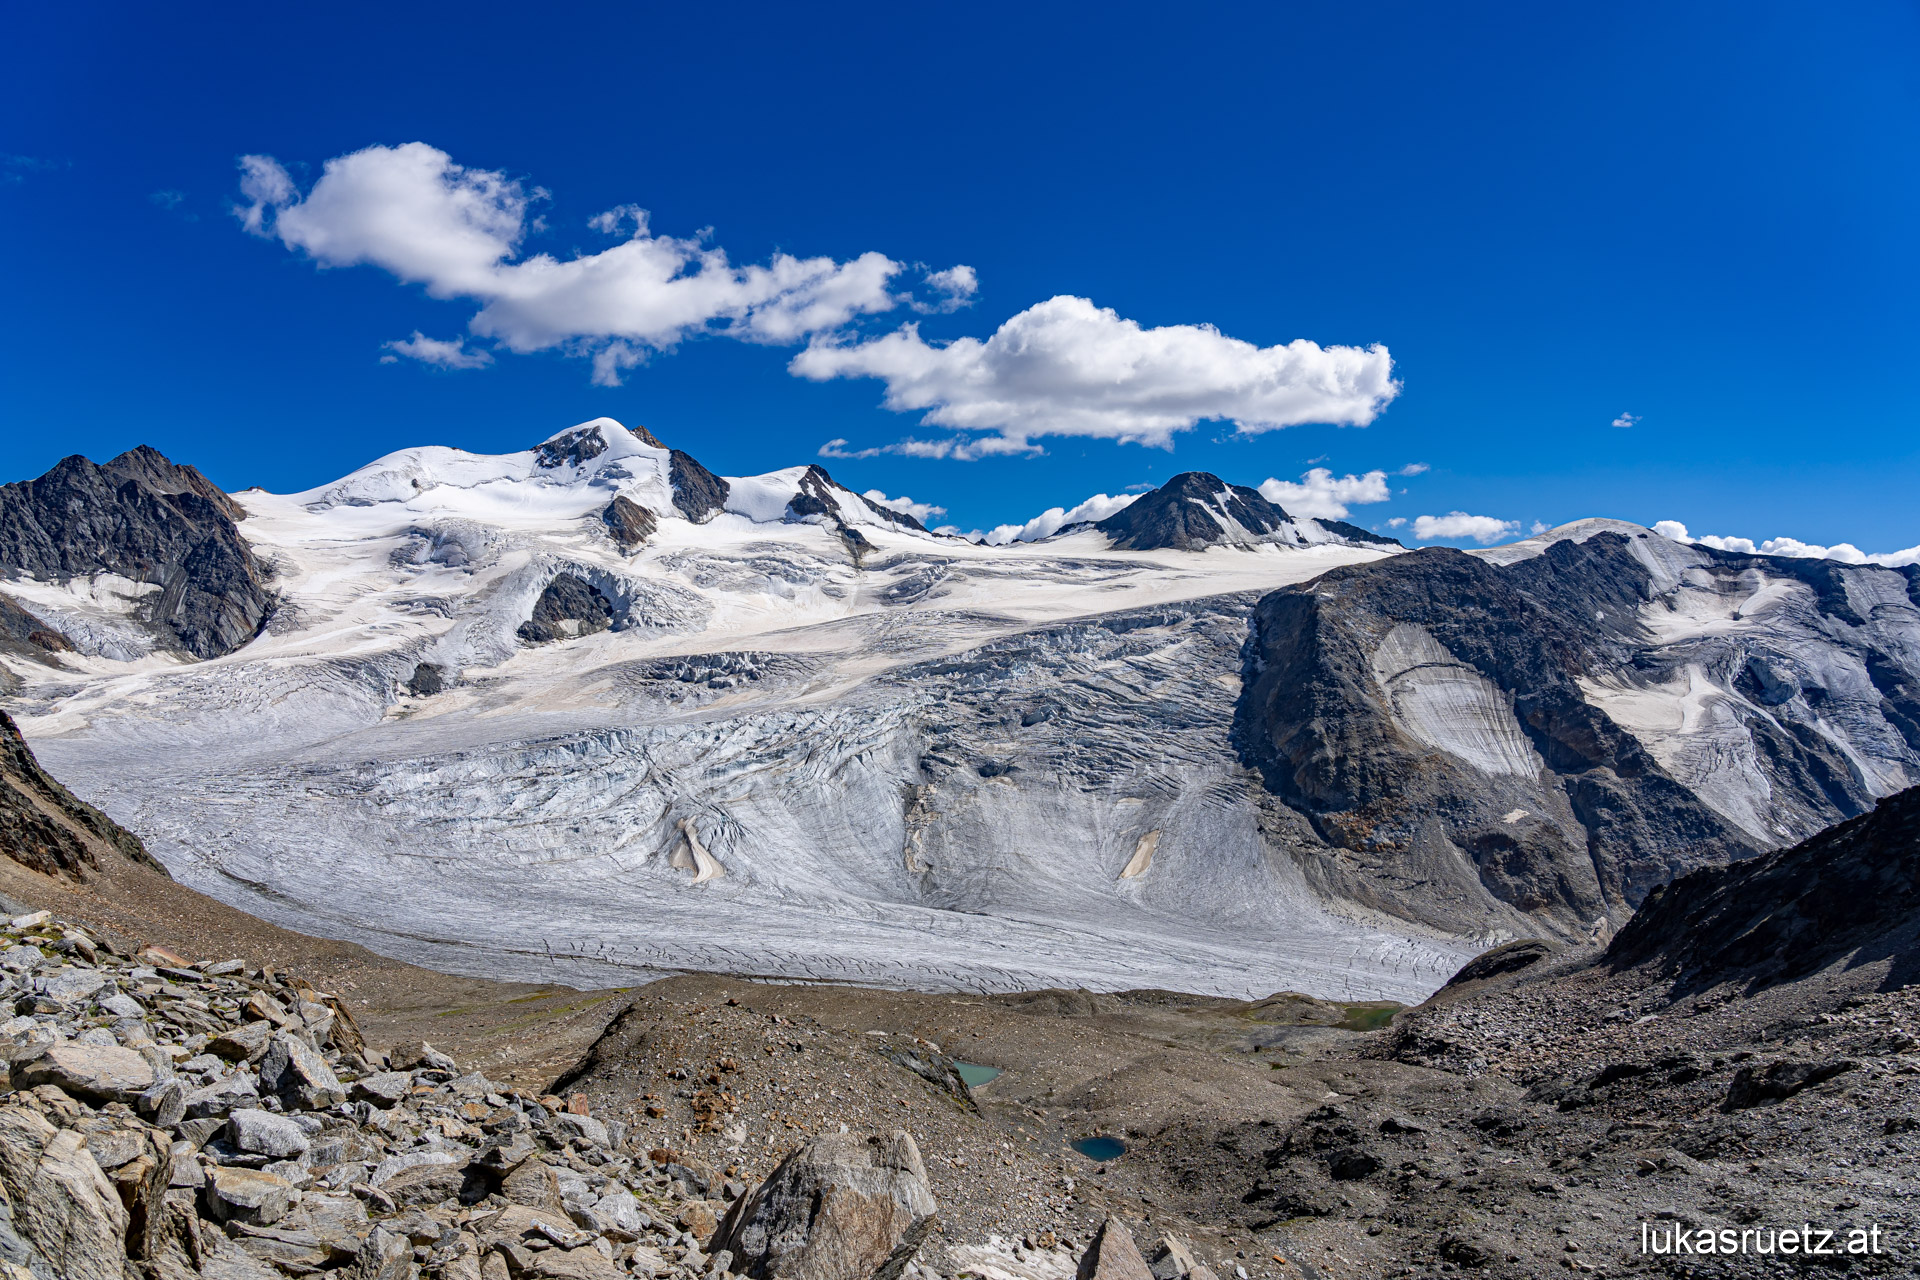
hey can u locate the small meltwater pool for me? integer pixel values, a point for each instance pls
(1101, 1149)
(974, 1074)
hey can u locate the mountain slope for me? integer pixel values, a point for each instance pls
(1196, 510)
(1549, 731)
(164, 530)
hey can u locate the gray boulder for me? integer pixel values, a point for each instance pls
(96, 1072)
(262, 1133)
(840, 1208)
(295, 1071)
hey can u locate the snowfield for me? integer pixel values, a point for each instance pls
(917, 763)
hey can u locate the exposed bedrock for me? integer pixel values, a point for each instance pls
(1550, 738)
(569, 607)
(149, 521)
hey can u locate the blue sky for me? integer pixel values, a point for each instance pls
(1697, 218)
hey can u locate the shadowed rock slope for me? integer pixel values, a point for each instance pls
(43, 827)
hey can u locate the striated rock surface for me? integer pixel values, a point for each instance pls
(1537, 738)
(149, 521)
(630, 523)
(698, 494)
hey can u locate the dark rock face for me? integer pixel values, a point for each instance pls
(1441, 719)
(1560, 813)
(699, 494)
(1186, 513)
(573, 449)
(1511, 958)
(569, 607)
(630, 523)
(42, 825)
(146, 519)
(1854, 889)
(428, 679)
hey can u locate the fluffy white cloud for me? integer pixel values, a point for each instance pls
(1458, 524)
(1066, 367)
(1323, 494)
(1054, 519)
(1845, 552)
(433, 351)
(410, 210)
(1626, 420)
(953, 289)
(921, 511)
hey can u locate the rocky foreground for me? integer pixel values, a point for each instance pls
(167, 1119)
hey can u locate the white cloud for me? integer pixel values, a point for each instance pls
(1845, 552)
(1054, 519)
(1538, 527)
(433, 351)
(1627, 419)
(1413, 469)
(1458, 524)
(953, 289)
(921, 511)
(413, 212)
(1324, 495)
(958, 448)
(1396, 522)
(1066, 367)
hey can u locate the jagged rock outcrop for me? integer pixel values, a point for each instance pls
(1539, 737)
(699, 494)
(148, 520)
(1853, 890)
(45, 828)
(569, 607)
(1113, 1255)
(838, 1208)
(630, 523)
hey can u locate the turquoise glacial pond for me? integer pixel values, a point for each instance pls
(1101, 1148)
(975, 1074)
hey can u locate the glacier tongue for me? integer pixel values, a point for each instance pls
(937, 768)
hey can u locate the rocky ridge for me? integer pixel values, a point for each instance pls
(150, 522)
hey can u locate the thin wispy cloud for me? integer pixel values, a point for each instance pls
(16, 169)
(1626, 420)
(437, 352)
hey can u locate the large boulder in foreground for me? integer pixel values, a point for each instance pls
(62, 1211)
(840, 1208)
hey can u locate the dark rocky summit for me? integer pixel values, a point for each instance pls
(148, 520)
(45, 828)
(569, 607)
(630, 523)
(1195, 510)
(699, 494)
(1189, 512)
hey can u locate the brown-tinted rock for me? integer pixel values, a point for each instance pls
(293, 1069)
(534, 1185)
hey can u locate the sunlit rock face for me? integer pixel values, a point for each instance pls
(1546, 731)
